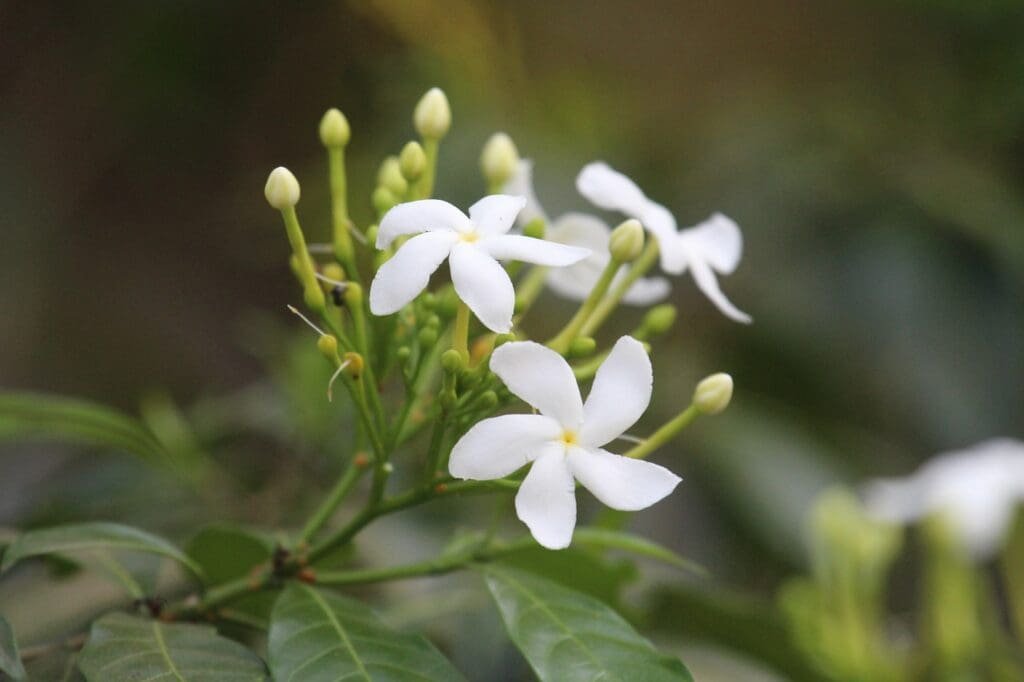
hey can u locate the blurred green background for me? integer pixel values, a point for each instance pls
(871, 152)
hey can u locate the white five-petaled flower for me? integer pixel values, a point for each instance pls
(714, 245)
(564, 441)
(579, 229)
(978, 489)
(472, 244)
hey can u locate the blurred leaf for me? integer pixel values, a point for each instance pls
(226, 552)
(611, 539)
(317, 635)
(581, 569)
(123, 648)
(77, 537)
(26, 416)
(1011, 563)
(566, 635)
(10, 660)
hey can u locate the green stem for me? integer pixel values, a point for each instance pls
(640, 266)
(564, 339)
(664, 434)
(343, 249)
(530, 287)
(460, 334)
(341, 489)
(312, 293)
(425, 186)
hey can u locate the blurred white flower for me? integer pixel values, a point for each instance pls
(472, 244)
(714, 245)
(579, 229)
(978, 489)
(564, 441)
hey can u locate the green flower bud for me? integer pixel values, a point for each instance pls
(403, 353)
(429, 300)
(334, 130)
(371, 234)
(660, 318)
(713, 394)
(433, 116)
(383, 199)
(428, 336)
(353, 295)
(327, 344)
(333, 271)
(412, 161)
(499, 159)
(282, 189)
(390, 176)
(488, 400)
(627, 241)
(433, 322)
(452, 361)
(582, 347)
(534, 228)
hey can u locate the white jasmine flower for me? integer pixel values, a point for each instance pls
(472, 244)
(564, 441)
(714, 245)
(978, 489)
(579, 229)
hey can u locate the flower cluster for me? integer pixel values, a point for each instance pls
(455, 374)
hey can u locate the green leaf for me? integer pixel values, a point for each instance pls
(318, 635)
(123, 648)
(10, 661)
(78, 537)
(566, 635)
(604, 538)
(583, 569)
(25, 416)
(226, 552)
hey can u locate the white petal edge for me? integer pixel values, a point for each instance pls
(718, 240)
(580, 229)
(576, 281)
(646, 290)
(498, 446)
(707, 282)
(541, 378)
(399, 280)
(607, 188)
(620, 482)
(426, 215)
(530, 250)
(546, 501)
(521, 185)
(496, 214)
(484, 286)
(620, 394)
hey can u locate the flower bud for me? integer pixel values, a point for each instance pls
(327, 344)
(534, 228)
(282, 189)
(334, 130)
(390, 176)
(499, 159)
(713, 394)
(354, 368)
(488, 400)
(427, 337)
(383, 200)
(660, 318)
(433, 116)
(412, 161)
(403, 353)
(627, 241)
(353, 295)
(371, 234)
(581, 347)
(333, 271)
(452, 361)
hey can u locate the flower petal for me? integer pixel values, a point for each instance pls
(660, 223)
(530, 250)
(427, 215)
(496, 447)
(542, 378)
(620, 394)
(609, 189)
(496, 214)
(580, 229)
(646, 290)
(408, 272)
(717, 240)
(706, 281)
(546, 501)
(521, 185)
(576, 281)
(620, 482)
(484, 286)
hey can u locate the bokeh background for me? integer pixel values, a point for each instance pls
(871, 151)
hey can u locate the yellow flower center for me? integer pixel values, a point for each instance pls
(469, 237)
(568, 438)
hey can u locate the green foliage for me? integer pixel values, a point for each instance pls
(81, 537)
(227, 552)
(566, 635)
(10, 662)
(603, 538)
(122, 648)
(316, 635)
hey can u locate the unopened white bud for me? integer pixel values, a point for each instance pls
(282, 190)
(499, 159)
(626, 241)
(433, 116)
(334, 130)
(713, 394)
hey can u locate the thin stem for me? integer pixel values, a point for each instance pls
(565, 338)
(425, 186)
(460, 334)
(341, 489)
(339, 212)
(640, 266)
(665, 433)
(312, 293)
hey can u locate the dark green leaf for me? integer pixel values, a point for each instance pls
(33, 416)
(581, 568)
(566, 635)
(226, 552)
(318, 635)
(10, 661)
(78, 537)
(634, 544)
(123, 648)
